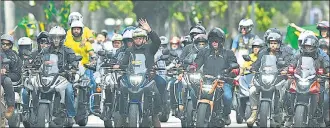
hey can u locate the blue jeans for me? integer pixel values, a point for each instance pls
(227, 98)
(69, 100)
(160, 83)
(178, 91)
(90, 74)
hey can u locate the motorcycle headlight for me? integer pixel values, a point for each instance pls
(304, 84)
(267, 79)
(97, 80)
(135, 79)
(207, 87)
(195, 77)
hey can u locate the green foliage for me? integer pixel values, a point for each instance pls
(294, 11)
(220, 7)
(262, 16)
(116, 9)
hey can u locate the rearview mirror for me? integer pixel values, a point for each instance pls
(101, 53)
(246, 57)
(233, 65)
(166, 52)
(78, 58)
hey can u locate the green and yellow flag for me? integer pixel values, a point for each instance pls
(64, 14)
(293, 34)
(50, 10)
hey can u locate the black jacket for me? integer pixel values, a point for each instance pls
(187, 51)
(66, 57)
(149, 51)
(284, 53)
(15, 66)
(214, 64)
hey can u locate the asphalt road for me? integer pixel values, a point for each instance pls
(94, 121)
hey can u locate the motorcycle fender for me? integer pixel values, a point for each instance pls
(44, 101)
(17, 98)
(266, 96)
(145, 87)
(205, 101)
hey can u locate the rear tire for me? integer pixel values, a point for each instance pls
(166, 111)
(189, 112)
(263, 113)
(201, 113)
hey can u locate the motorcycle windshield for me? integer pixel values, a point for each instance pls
(268, 64)
(50, 65)
(138, 64)
(306, 68)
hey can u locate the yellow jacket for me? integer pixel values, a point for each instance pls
(247, 64)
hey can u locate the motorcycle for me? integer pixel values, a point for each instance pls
(83, 95)
(306, 89)
(138, 94)
(15, 120)
(3, 107)
(46, 87)
(241, 101)
(266, 80)
(109, 89)
(210, 104)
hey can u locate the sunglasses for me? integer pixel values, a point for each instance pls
(5, 44)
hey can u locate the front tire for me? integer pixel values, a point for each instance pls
(264, 111)
(299, 116)
(189, 112)
(43, 116)
(134, 115)
(166, 111)
(202, 120)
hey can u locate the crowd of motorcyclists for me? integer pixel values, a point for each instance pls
(139, 77)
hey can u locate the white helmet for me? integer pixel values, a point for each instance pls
(24, 41)
(128, 34)
(57, 35)
(117, 37)
(75, 16)
(245, 23)
(163, 40)
(138, 32)
(77, 24)
(304, 34)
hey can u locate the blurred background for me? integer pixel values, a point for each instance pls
(169, 18)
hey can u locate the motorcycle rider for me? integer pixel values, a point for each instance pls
(309, 48)
(242, 44)
(323, 27)
(81, 46)
(274, 44)
(193, 47)
(127, 42)
(324, 45)
(101, 43)
(149, 50)
(88, 34)
(12, 74)
(175, 45)
(117, 42)
(24, 44)
(216, 54)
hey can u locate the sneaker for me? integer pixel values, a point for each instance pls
(227, 120)
(252, 118)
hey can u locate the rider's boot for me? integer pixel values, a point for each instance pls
(253, 117)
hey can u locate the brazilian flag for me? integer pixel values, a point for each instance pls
(26, 24)
(293, 34)
(50, 10)
(64, 14)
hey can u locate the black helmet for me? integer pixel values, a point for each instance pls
(43, 36)
(324, 43)
(311, 41)
(323, 25)
(198, 29)
(272, 30)
(200, 38)
(216, 35)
